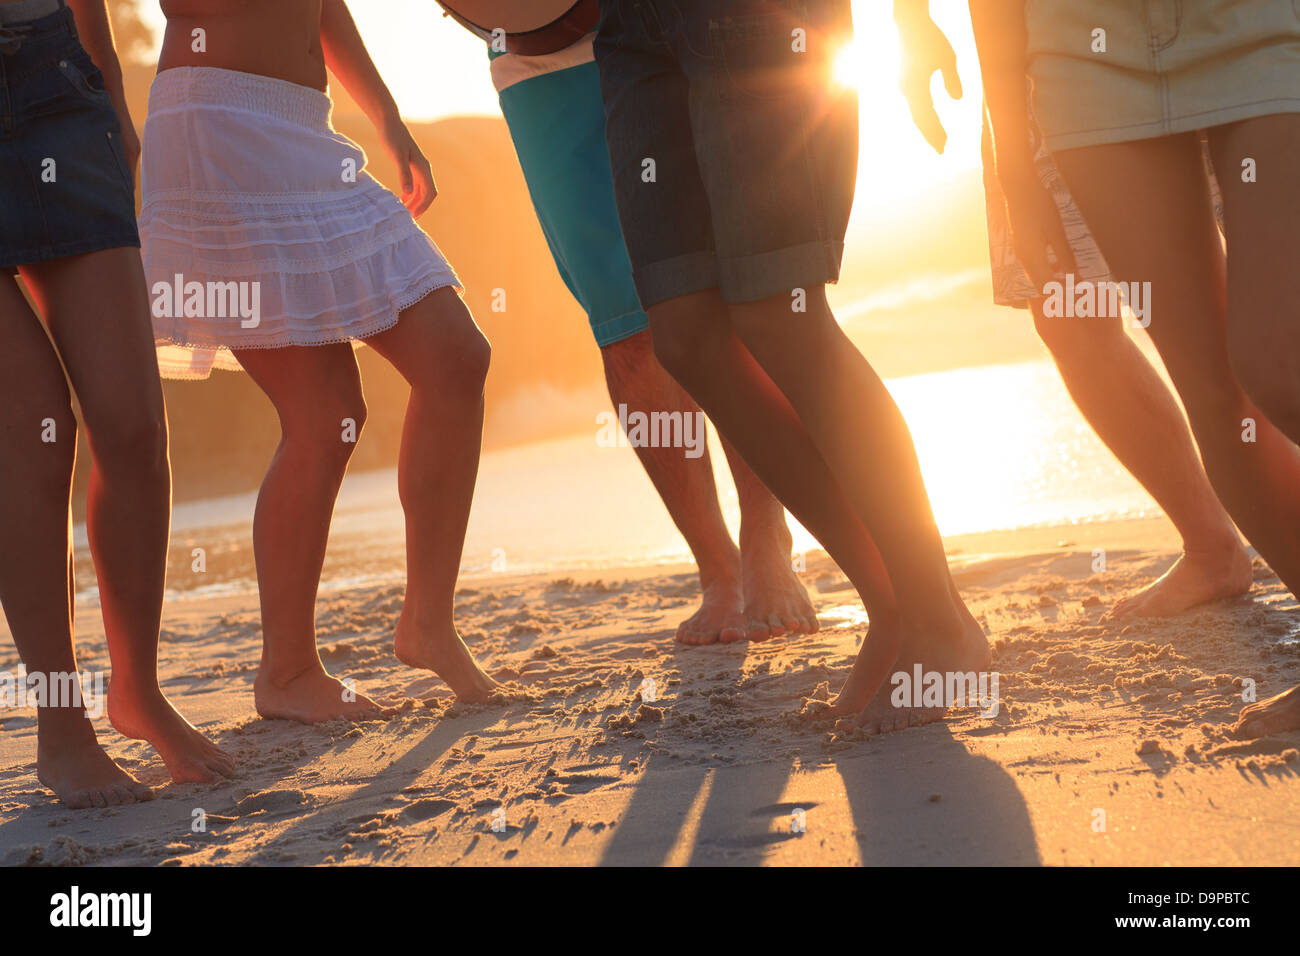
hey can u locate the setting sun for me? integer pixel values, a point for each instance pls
(867, 68)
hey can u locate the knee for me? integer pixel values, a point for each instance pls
(686, 338)
(57, 444)
(330, 430)
(133, 441)
(473, 359)
(679, 352)
(629, 362)
(632, 354)
(461, 357)
(1268, 368)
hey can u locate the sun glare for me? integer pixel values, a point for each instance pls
(866, 68)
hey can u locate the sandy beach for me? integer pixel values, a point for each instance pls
(1112, 744)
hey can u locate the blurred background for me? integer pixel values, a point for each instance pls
(1000, 443)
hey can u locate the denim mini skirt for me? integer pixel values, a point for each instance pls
(65, 188)
(1111, 71)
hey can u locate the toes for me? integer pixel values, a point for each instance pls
(776, 626)
(694, 638)
(1250, 727)
(223, 766)
(730, 635)
(78, 800)
(758, 631)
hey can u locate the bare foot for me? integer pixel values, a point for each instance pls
(776, 602)
(1195, 578)
(190, 757)
(1273, 716)
(81, 775)
(311, 698)
(721, 616)
(881, 716)
(867, 701)
(442, 651)
(876, 659)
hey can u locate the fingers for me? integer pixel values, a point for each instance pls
(1061, 246)
(422, 190)
(951, 81)
(1037, 233)
(407, 180)
(925, 118)
(1031, 250)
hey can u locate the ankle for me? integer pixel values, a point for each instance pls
(720, 569)
(1224, 543)
(934, 623)
(278, 675)
(122, 687)
(761, 536)
(63, 730)
(439, 618)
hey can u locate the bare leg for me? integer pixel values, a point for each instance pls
(1136, 416)
(750, 597)
(36, 560)
(852, 420)
(776, 602)
(1164, 233)
(97, 308)
(316, 392)
(444, 357)
(1263, 217)
(757, 406)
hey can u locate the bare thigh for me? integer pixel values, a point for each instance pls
(97, 306)
(436, 343)
(314, 389)
(1148, 205)
(33, 392)
(1262, 222)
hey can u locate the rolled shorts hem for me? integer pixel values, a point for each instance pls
(761, 275)
(1168, 127)
(669, 278)
(619, 327)
(742, 279)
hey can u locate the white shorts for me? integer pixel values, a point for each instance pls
(254, 203)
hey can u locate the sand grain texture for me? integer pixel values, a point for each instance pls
(581, 761)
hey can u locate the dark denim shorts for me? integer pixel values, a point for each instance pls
(734, 151)
(64, 184)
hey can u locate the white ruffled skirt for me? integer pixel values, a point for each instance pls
(260, 228)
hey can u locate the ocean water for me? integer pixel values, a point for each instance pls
(1000, 446)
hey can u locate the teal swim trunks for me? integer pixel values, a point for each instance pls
(553, 107)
